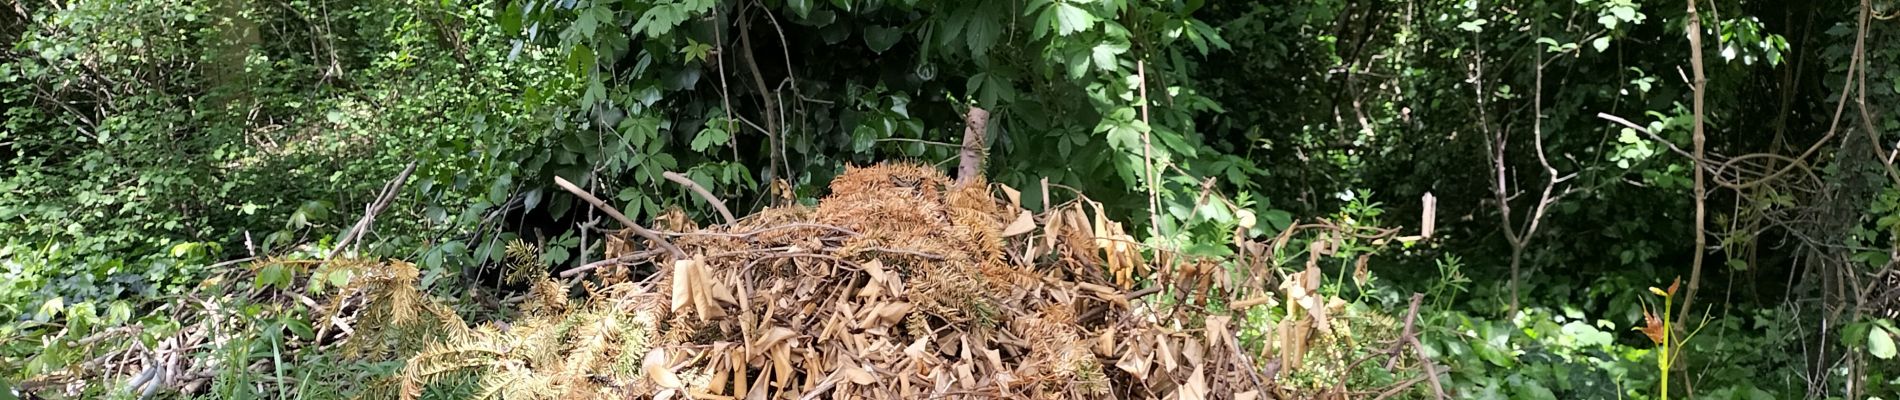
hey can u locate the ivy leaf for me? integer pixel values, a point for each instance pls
(1880, 344)
(1071, 19)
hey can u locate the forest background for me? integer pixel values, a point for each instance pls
(1547, 162)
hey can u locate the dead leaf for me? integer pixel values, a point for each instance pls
(1167, 353)
(857, 376)
(1247, 395)
(1196, 386)
(1136, 362)
(1359, 272)
(771, 339)
(682, 287)
(656, 369)
(1023, 224)
(1015, 196)
(1191, 350)
(876, 285)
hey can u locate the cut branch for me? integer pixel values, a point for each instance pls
(975, 126)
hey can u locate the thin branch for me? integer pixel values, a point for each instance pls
(716, 203)
(928, 142)
(770, 106)
(615, 213)
(388, 195)
(597, 264)
(1147, 152)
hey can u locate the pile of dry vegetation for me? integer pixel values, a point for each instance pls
(899, 285)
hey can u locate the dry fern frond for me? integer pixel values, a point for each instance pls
(524, 262)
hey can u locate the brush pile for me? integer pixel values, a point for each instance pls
(898, 285)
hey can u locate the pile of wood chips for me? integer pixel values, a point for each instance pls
(904, 285)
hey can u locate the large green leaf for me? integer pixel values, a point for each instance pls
(881, 38)
(1071, 19)
(1880, 343)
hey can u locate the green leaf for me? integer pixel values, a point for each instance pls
(1071, 19)
(510, 18)
(1104, 55)
(586, 24)
(1601, 44)
(800, 7)
(981, 33)
(881, 38)
(51, 308)
(1880, 343)
(1476, 25)
(1625, 13)
(1044, 20)
(709, 138)
(1277, 218)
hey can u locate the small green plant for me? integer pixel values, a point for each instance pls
(1451, 281)
(1660, 332)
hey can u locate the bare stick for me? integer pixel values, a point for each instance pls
(611, 212)
(1147, 153)
(975, 126)
(602, 263)
(1412, 337)
(1701, 190)
(703, 194)
(382, 202)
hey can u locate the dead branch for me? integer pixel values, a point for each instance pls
(369, 216)
(571, 272)
(703, 194)
(1411, 336)
(615, 213)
